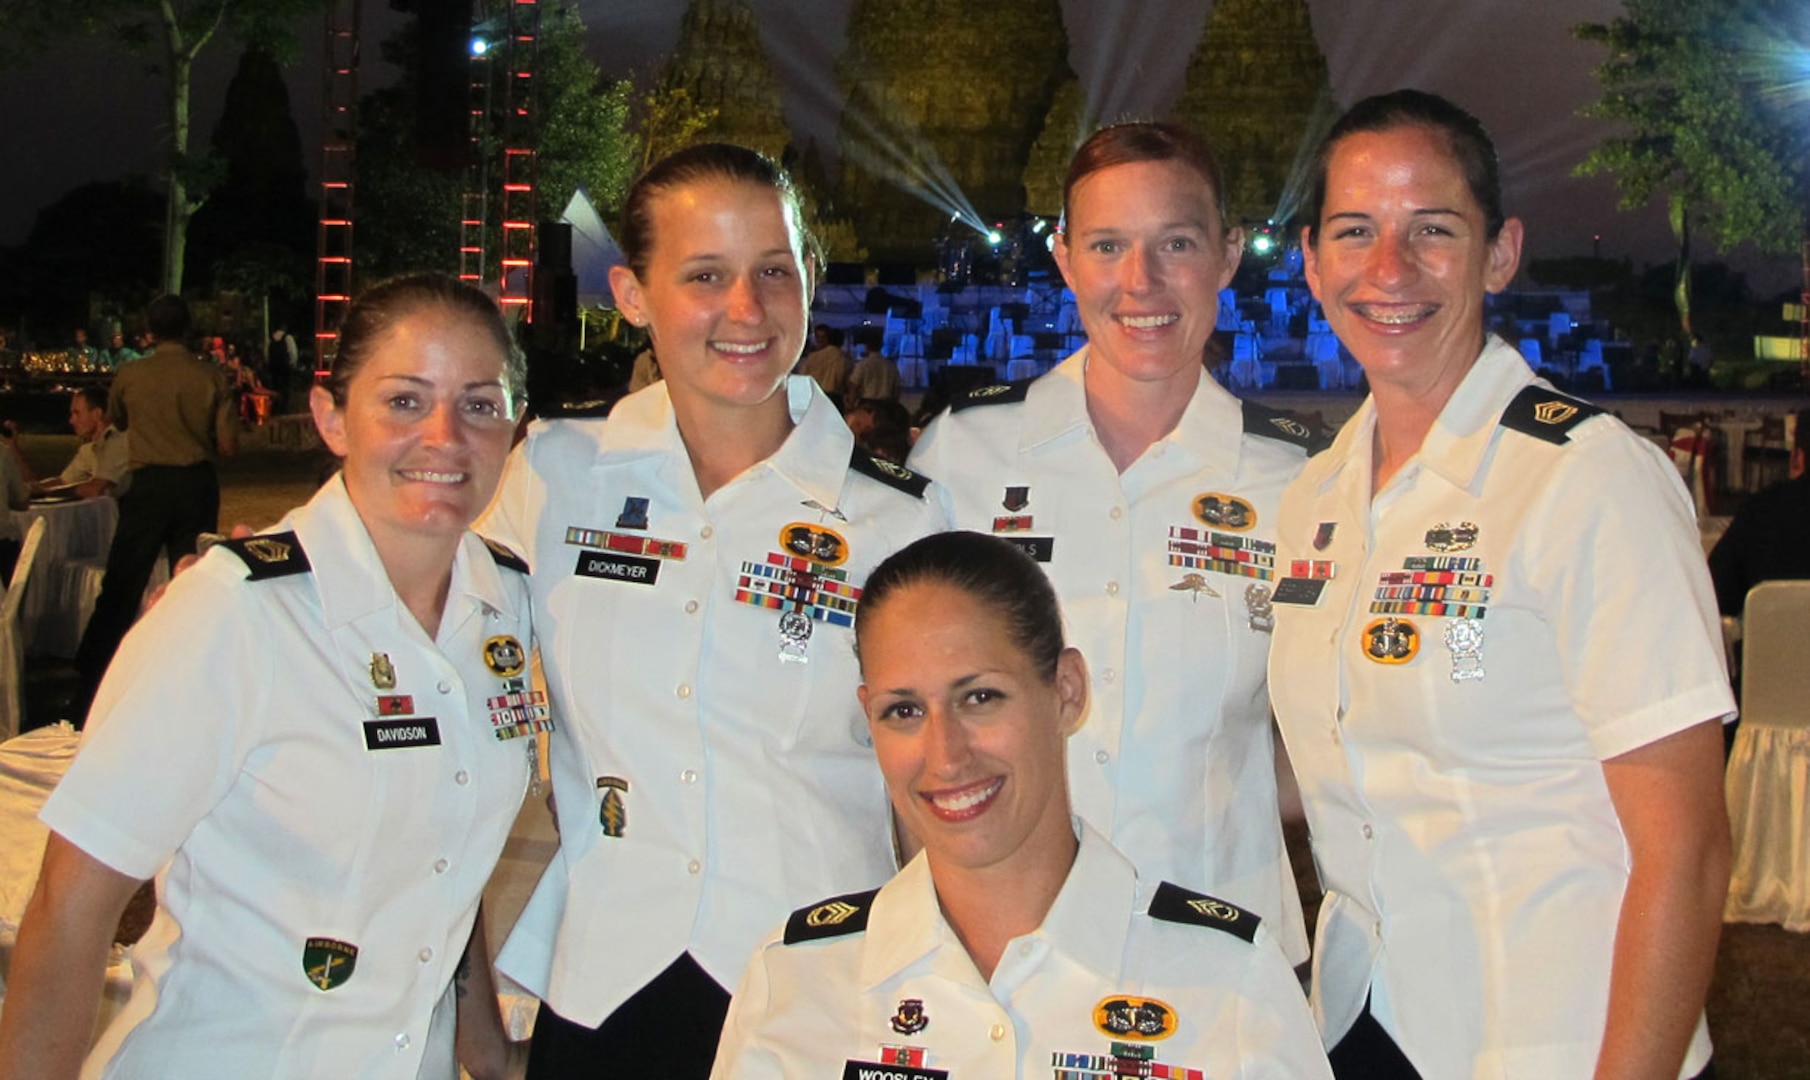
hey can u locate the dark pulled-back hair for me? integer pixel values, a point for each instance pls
(93, 395)
(995, 572)
(1466, 139)
(379, 308)
(696, 164)
(1143, 140)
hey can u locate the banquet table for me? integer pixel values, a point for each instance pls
(60, 592)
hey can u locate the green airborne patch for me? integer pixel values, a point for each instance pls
(328, 962)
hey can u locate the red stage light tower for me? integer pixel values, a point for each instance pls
(333, 239)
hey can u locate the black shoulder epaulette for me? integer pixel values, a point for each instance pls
(889, 473)
(505, 558)
(1272, 424)
(1172, 903)
(1546, 414)
(996, 394)
(835, 917)
(273, 556)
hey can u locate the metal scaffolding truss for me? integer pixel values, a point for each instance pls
(339, 130)
(520, 122)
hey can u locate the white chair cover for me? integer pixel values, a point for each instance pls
(12, 640)
(1768, 779)
(1530, 351)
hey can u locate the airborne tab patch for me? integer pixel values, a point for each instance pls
(835, 917)
(1546, 414)
(1172, 903)
(271, 556)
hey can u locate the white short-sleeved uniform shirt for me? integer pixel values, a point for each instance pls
(322, 794)
(879, 986)
(1163, 573)
(712, 765)
(106, 458)
(1524, 600)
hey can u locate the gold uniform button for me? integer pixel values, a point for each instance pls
(997, 1032)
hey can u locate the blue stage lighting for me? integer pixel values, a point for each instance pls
(479, 46)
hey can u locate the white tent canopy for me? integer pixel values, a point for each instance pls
(594, 251)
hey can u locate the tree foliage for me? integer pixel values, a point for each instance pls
(408, 213)
(174, 33)
(1692, 85)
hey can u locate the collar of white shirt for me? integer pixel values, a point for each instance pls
(1211, 428)
(814, 458)
(1089, 921)
(1460, 437)
(350, 577)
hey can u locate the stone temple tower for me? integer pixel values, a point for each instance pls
(1257, 88)
(942, 87)
(721, 66)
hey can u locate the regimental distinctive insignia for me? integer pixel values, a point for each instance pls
(1225, 511)
(831, 913)
(634, 513)
(910, 1018)
(504, 657)
(1391, 641)
(1196, 584)
(818, 543)
(612, 814)
(1193, 548)
(1464, 637)
(266, 549)
(1017, 498)
(1554, 412)
(1323, 535)
(383, 673)
(1444, 537)
(1257, 604)
(395, 705)
(1124, 1016)
(328, 962)
(803, 591)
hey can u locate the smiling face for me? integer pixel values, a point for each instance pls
(1146, 254)
(725, 294)
(969, 734)
(425, 426)
(1403, 259)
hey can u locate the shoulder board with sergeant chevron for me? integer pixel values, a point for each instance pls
(503, 557)
(996, 394)
(271, 556)
(1270, 423)
(889, 473)
(1547, 414)
(836, 917)
(1172, 903)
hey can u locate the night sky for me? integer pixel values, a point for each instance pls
(87, 111)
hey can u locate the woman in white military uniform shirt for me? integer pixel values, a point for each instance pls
(311, 741)
(1497, 664)
(698, 558)
(1020, 942)
(1149, 494)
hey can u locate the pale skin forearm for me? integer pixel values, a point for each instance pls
(60, 964)
(1668, 796)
